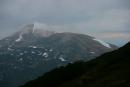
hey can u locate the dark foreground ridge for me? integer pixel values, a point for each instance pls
(109, 70)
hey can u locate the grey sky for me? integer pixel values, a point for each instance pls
(105, 19)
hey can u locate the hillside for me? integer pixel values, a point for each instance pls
(109, 70)
(32, 51)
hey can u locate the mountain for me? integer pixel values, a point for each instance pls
(34, 50)
(108, 70)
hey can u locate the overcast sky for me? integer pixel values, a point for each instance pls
(105, 19)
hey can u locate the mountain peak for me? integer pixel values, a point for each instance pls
(37, 25)
(37, 29)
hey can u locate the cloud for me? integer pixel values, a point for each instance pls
(43, 8)
(107, 21)
(94, 17)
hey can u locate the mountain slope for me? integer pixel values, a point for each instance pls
(109, 70)
(33, 51)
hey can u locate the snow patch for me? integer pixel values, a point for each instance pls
(92, 52)
(12, 54)
(38, 25)
(33, 52)
(45, 54)
(33, 47)
(21, 59)
(21, 54)
(10, 49)
(33, 29)
(62, 59)
(20, 38)
(103, 43)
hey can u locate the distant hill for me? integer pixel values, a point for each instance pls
(109, 70)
